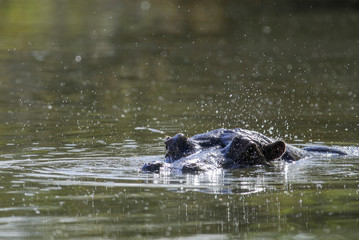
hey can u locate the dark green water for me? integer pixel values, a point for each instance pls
(89, 89)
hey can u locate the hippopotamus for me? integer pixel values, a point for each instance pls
(228, 149)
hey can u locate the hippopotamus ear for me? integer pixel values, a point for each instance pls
(274, 150)
(166, 142)
(177, 140)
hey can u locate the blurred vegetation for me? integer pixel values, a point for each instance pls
(110, 66)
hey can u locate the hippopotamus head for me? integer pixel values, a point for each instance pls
(245, 151)
(178, 146)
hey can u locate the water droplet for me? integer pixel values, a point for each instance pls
(145, 5)
(266, 29)
(78, 58)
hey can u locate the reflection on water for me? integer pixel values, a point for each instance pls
(66, 194)
(89, 90)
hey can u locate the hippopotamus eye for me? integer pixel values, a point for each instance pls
(251, 148)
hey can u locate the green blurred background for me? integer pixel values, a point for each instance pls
(89, 89)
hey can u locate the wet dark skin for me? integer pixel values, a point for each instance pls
(233, 148)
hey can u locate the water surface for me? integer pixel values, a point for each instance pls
(89, 90)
